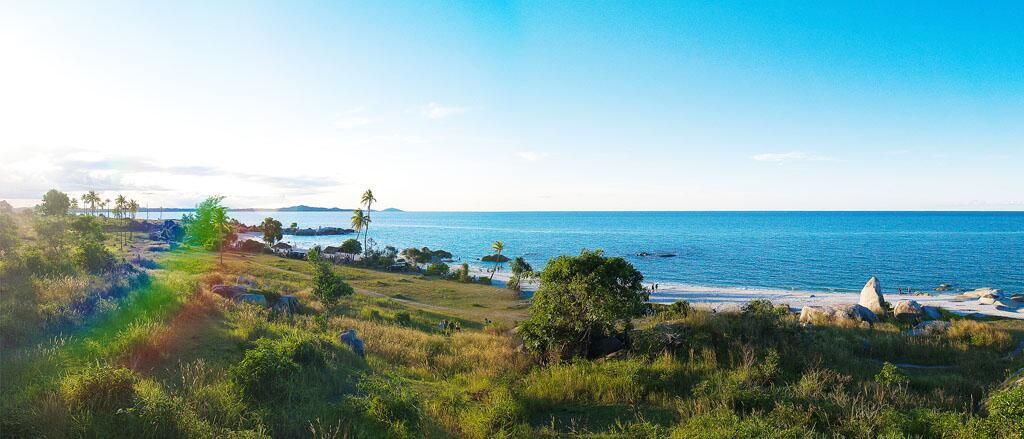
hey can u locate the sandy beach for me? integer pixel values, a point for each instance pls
(733, 298)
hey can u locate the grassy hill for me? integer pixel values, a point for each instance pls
(167, 358)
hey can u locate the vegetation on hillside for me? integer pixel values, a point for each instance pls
(164, 357)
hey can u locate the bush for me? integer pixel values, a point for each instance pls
(102, 388)
(351, 246)
(327, 286)
(582, 299)
(403, 318)
(390, 403)
(891, 376)
(264, 372)
(437, 269)
(93, 257)
(1006, 411)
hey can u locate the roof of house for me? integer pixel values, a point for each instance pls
(331, 249)
(284, 245)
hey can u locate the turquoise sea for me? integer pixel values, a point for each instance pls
(816, 251)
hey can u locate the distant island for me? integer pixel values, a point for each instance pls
(299, 208)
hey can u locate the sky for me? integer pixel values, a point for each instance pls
(495, 106)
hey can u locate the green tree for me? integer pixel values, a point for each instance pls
(359, 221)
(520, 269)
(582, 299)
(498, 247)
(209, 226)
(222, 231)
(271, 230)
(351, 246)
(92, 199)
(120, 205)
(8, 233)
(327, 286)
(55, 203)
(368, 199)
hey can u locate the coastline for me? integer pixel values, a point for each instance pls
(733, 298)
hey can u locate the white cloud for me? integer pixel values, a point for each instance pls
(792, 156)
(531, 156)
(353, 118)
(435, 111)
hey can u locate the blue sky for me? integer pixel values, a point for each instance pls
(518, 106)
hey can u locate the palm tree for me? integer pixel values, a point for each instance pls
(368, 200)
(133, 208)
(498, 247)
(120, 205)
(221, 228)
(359, 222)
(92, 199)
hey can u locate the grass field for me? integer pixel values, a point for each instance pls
(170, 359)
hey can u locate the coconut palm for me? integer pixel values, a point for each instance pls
(120, 206)
(498, 247)
(92, 199)
(221, 228)
(133, 208)
(359, 222)
(367, 199)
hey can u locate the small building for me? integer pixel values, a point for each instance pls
(281, 248)
(331, 250)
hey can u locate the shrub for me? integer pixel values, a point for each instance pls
(327, 286)
(102, 388)
(580, 300)
(403, 318)
(264, 372)
(965, 334)
(390, 403)
(891, 376)
(351, 246)
(1006, 411)
(437, 269)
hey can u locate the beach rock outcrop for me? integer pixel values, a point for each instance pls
(812, 314)
(931, 312)
(978, 293)
(988, 299)
(871, 296)
(256, 299)
(287, 304)
(907, 309)
(930, 327)
(246, 280)
(349, 338)
(229, 291)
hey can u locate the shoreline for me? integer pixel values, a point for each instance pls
(733, 298)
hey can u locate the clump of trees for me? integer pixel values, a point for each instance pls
(209, 226)
(521, 270)
(425, 255)
(581, 300)
(351, 246)
(272, 231)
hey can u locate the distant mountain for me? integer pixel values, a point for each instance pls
(304, 208)
(392, 209)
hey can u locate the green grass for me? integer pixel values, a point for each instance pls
(174, 360)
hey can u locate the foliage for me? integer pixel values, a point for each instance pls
(351, 246)
(102, 387)
(8, 233)
(264, 371)
(390, 403)
(437, 269)
(327, 286)
(208, 226)
(55, 203)
(425, 255)
(271, 229)
(580, 300)
(93, 256)
(519, 266)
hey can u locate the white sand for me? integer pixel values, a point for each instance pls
(732, 298)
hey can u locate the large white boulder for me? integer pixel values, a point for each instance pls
(907, 309)
(811, 314)
(871, 296)
(930, 327)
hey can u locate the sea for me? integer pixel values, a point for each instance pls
(804, 251)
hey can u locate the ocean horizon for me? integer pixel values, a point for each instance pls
(781, 250)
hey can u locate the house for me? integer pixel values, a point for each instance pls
(281, 248)
(331, 250)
